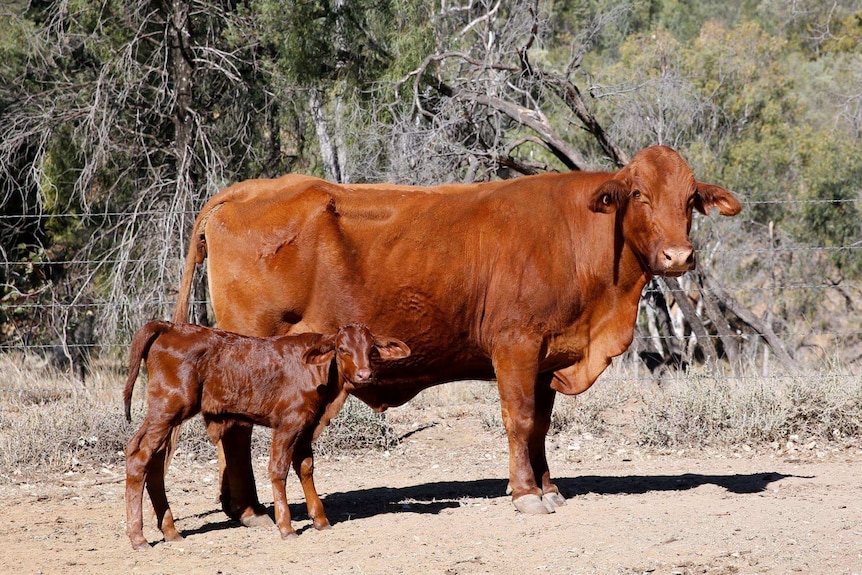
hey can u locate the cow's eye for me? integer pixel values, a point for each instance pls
(342, 349)
(606, 199)
(636, 194)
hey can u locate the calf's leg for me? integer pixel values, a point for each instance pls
(136, 469)
(142, 467)
(283, 444)
(303, 463)
(156, 489)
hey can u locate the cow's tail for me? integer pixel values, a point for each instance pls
(138, 352)
(196, 254)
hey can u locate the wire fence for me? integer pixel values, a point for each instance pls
(832, 333)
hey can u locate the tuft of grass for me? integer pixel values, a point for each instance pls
(828, 406)
(51, 421)
(357, 427)
(709, 410)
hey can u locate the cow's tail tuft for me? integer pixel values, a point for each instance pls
(138, 352)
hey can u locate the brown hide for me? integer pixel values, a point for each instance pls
(285, 383)
(534, 281)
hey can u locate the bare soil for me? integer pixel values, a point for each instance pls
(436, 504)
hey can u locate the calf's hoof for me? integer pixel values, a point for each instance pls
(532, 505)
(173, 537)
(252, 520)
(288, 534)
(553, 499)
(321, 525)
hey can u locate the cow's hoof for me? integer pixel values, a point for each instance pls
(289, 535)
(532, 505)
(173, 537)
(553, 499)
(257, 521)
(322, 525)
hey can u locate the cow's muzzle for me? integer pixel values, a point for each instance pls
(674, 261)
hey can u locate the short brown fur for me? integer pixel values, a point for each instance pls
(288, 383)
(534, 282)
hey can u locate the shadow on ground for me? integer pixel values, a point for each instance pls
(431, 498)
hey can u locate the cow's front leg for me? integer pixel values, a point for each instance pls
(544, 406)
(517, 373)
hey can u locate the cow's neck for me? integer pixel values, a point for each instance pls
(607, 329)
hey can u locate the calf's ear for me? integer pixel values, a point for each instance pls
(390, 348)
(709, 196)
(322, 352)
(609, 196)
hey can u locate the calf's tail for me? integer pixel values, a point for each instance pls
(138, 352)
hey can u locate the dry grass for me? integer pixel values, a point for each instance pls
(49, 421)
(709, 410)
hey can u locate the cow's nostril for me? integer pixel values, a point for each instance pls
(679, 256)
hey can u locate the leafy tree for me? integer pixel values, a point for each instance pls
(126, 113)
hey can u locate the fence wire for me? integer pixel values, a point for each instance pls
(29, 303)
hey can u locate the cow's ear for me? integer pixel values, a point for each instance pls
(609, 196)
(390, 348)
(322, 352)
(709, 196)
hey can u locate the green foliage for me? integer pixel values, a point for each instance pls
(832, 170)
(848, 36)
(323, 40)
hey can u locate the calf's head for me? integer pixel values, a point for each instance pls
(353, 347)
(654, 196)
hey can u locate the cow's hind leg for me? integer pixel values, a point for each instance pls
(238, 491)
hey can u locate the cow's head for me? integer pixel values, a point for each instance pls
(353, 346)
(655, 194)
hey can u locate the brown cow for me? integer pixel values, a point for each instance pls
(287, 383)
(533, 282)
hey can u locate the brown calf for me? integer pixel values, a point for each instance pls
(287, 383)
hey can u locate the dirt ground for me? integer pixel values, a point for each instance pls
(436, 504)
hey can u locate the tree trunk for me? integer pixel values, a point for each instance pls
(690, 314)
(747, 316)
(328, 149)
(185, 126)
